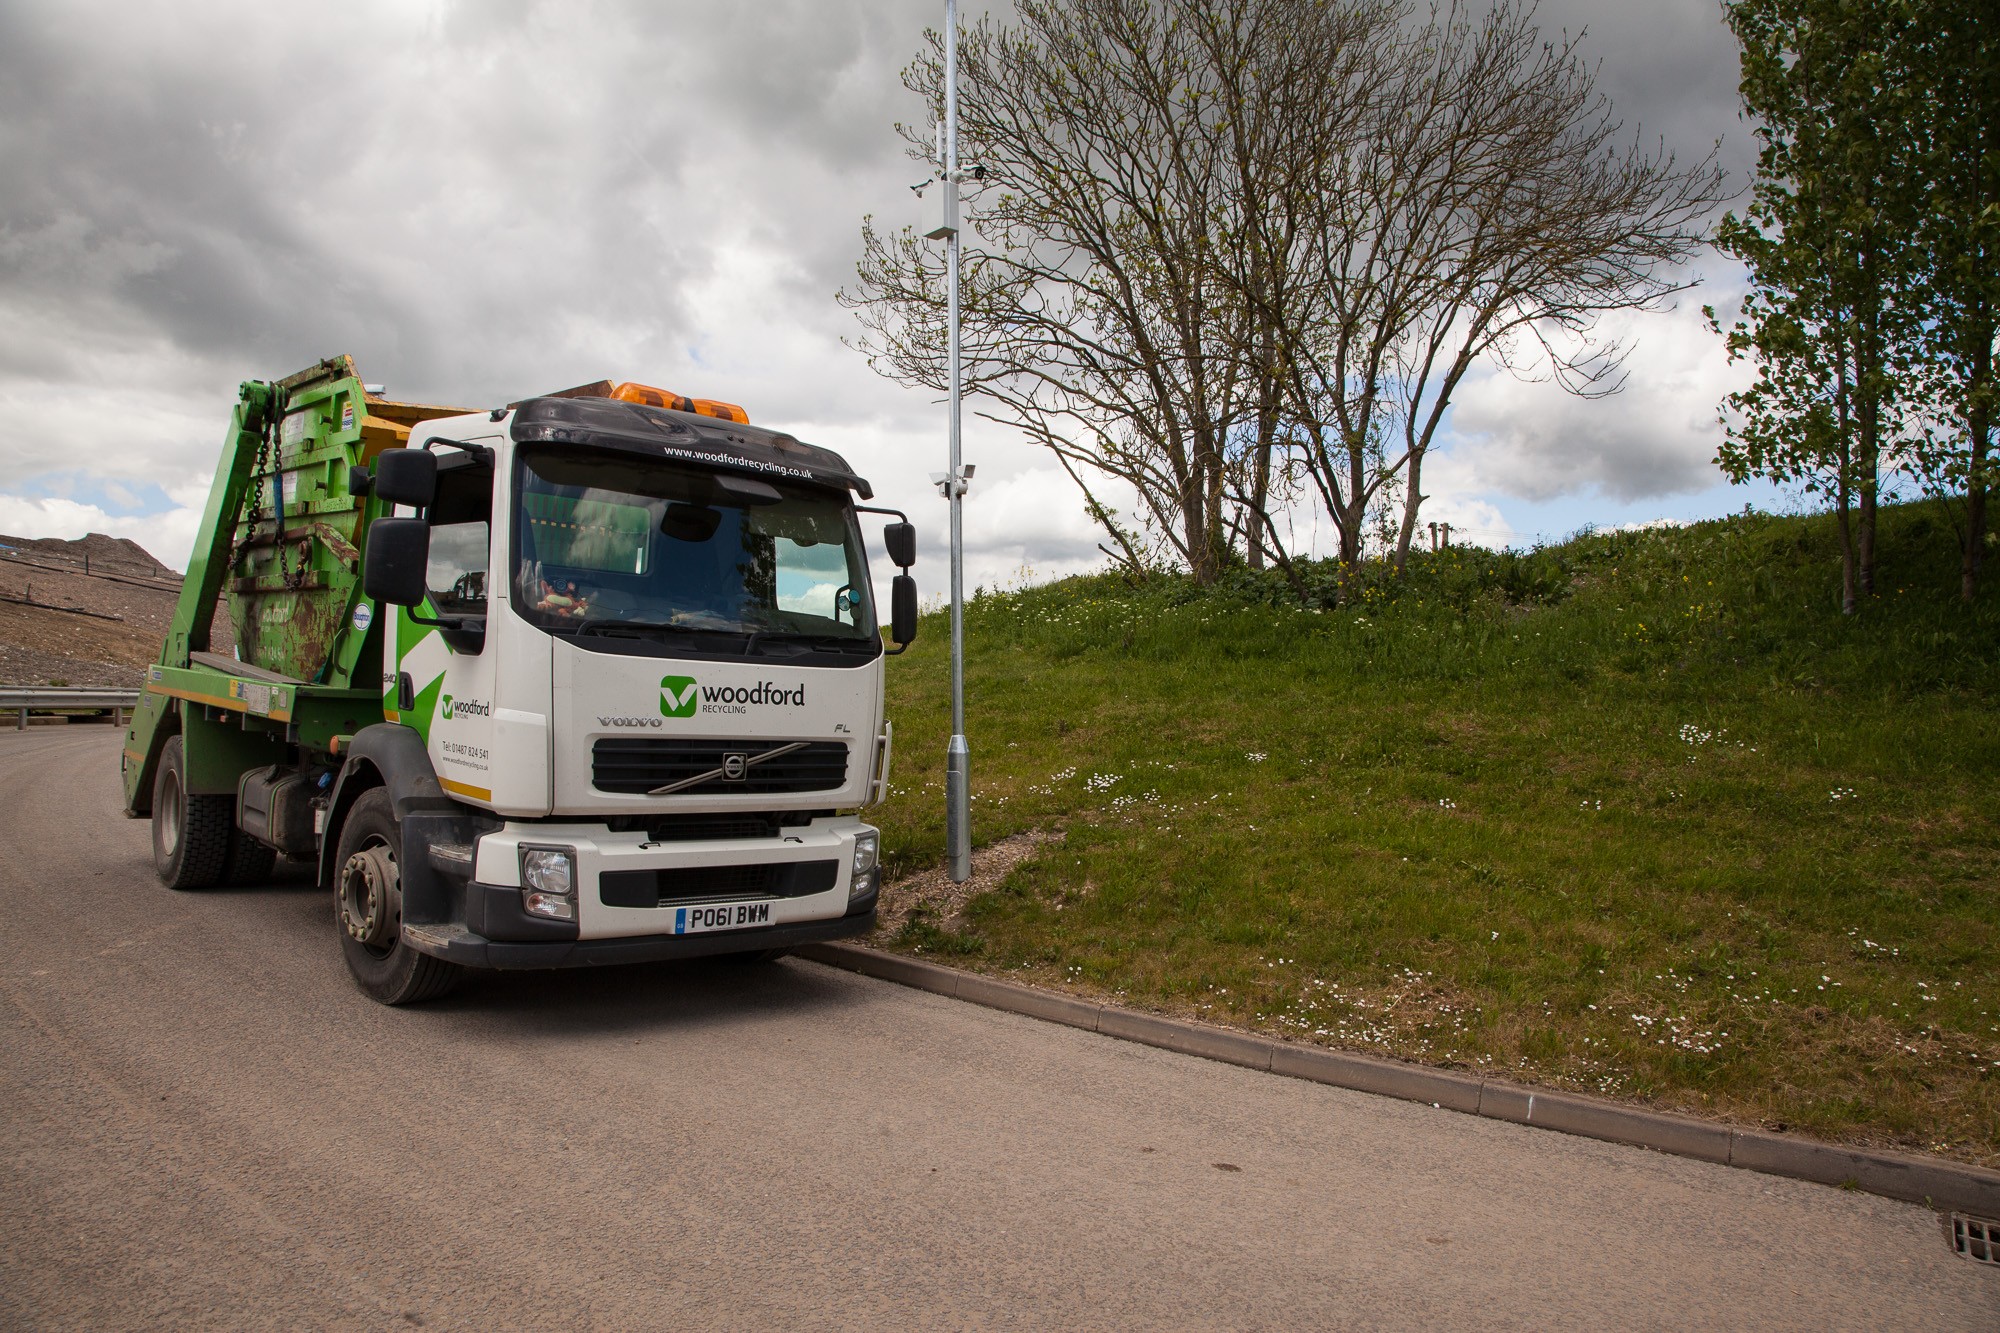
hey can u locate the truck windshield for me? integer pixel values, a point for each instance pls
(641, 549)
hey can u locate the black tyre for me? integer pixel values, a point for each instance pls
(368, 910)
(191, 833)
(250, 861)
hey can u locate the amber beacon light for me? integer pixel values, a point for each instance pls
(708, 407)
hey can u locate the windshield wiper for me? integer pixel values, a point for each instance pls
(635, 628)
(759, 642)
(840, 643)
(793, 642)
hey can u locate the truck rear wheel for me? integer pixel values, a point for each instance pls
(191, 833)
(368, 909)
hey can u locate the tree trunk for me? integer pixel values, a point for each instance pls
(1193, 522)
(1201, 505)
(1351, 519)
(1843, 488)
(1411, 502)
(1865, 555)
(1260, 476)
(1848, 599)
(1868, 384)
(1212, 483)
(1978, 423)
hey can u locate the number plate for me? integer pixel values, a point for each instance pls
(705, 917)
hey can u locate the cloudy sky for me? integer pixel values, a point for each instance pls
(479, 201)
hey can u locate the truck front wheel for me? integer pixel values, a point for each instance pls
(190, 832)
(368, 910)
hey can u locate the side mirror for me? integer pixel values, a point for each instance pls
(903, 608)
(901, 539)
(399, 553)
(406, 476)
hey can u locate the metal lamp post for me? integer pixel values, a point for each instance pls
(952, 484)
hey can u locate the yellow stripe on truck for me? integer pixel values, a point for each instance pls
(233, 705)
(466, 789)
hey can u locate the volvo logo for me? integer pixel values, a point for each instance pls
(735, 766)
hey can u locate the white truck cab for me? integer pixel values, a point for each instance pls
(632, 691)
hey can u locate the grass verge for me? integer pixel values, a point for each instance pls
(1641, 815)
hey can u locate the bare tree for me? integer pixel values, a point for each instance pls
(1483, 207)
(1086, 297)
(1228, 248)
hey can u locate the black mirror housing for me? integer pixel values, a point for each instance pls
(738, 489)
(903, 608)
(406, 476)
(690, 523)
(901, 539)
(399, 552)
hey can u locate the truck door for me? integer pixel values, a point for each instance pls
(445, 673)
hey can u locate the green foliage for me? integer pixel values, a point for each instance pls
(1830, 242)
(1747, 592)
(1601, 814)
(1959, 164)
(1871, 240)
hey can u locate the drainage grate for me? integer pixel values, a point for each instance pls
(1976, 1237)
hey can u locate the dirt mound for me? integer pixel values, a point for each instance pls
(932, 891)
(96, 552)
(85, 612)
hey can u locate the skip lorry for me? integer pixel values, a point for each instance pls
(594, 677)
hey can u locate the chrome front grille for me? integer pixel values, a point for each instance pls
(638, 765)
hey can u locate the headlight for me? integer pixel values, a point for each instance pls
(866, 847)
(548, 882)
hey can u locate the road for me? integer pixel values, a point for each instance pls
(210, 1127)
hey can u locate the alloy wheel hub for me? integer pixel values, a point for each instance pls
(370, 898)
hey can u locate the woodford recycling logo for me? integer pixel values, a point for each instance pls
(449, 708)
(682, 696)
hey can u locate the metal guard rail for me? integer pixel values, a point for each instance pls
(24, 699)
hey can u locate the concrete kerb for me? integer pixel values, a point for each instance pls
(1937, 1183)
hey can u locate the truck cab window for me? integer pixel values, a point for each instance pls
(458, 566)
(461, 536)
(631, 548)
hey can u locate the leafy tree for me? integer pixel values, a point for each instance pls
(1847, 318)
(1955, 68)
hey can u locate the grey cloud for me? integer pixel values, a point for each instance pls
(389, 202)
(1655, 438)
(483, 200)
(1619, 456)
(1669, 69)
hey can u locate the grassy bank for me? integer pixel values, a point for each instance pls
(1641, 815)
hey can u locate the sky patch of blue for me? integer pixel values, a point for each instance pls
(1543, 522)
(115, 496)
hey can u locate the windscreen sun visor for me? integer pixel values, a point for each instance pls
(606, 423)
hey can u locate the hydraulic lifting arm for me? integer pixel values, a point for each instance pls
(257, 409)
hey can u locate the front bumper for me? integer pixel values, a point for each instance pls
(454, 943)
(485, 923)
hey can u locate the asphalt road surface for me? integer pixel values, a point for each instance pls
(208, 1126)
